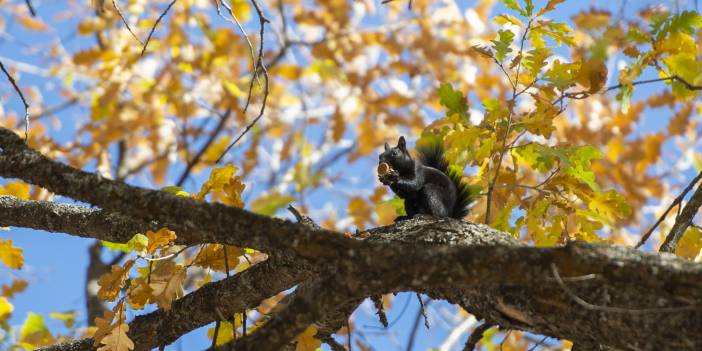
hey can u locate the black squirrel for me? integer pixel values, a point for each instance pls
(426, 184)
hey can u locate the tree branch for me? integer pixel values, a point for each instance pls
(682, 221)
(231, 295)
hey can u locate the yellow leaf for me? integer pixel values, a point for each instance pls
(167, 283)
(111, 283)
(117, 339)
(288, 71)
(16, 189)
(32, 23)
(306, 340)
(161, 238)
(34, 331)
(224, 334)
(223, 182)
(68, 318)
(215, 150)
(690, 244)
(359, 211)
(87, 57)
(11, 256)
(6, 309)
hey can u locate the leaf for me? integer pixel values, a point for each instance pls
(68, 318)
(137, 243)
(512, 4)
(550, 6)
(609, 205)
(17, 286)
(360, 212)
(224, 334)
(139, 293)
(6, 309)
(578, 165)
(103, 325)
(176, 190)
(34, 331)
(32, 23)
(10, 255)
(453, 100)
(223, 182)
(502, 44)
(16, 189)
(117, 339)
(111, 283)
(592, 74)
(624, 97)
(269, 204)
(161, 238)
(505, 18)
(688, 247)
(306, 341)
(167, 283)
(212, 256)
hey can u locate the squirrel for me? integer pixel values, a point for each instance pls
(426, 184)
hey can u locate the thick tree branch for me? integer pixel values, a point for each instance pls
(652, 301)
(71, 219)
(682, 221)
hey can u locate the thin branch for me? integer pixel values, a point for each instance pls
(424, 311)
(476, 336)
(675, 202)
(24, 101)
(151, 33)
(335, 346)
(124, 20)
(682, 222)
(589, 306)
(538, 343)
(259, 66)
(380, 310)
(212, 137)
(31, 8)
(415, 326)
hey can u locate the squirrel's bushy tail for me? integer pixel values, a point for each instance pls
(432, 155)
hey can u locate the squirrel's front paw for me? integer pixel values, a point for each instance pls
(389, 178)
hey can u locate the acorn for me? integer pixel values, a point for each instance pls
(384, 168)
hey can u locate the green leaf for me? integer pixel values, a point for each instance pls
(579, 167)
(398, 204)
(269, 204)
(138, 242)
(624, 97)
(502, 44)
(685, 22)
(512, 4)
(175, 190)
(453, 100)
(529, 7)
(609, 205)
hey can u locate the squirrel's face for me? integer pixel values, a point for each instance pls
(397, 157)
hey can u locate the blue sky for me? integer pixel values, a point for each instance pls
(56, 263)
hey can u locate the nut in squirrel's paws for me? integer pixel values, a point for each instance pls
(386, 174)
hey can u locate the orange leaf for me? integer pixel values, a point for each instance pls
(161, 238)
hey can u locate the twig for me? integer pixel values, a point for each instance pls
(235, 20)
(589, 306)
(24, 101)
(675, 202)
(423, 310)
(259, 65)
(213, 136)
(380, 311)
(503, 149)
(215, 335)
(327, 339)
(31, 8)
(682, 221)
(415, 326)
(151, 33)
(538, 343)
(476, 336)
(124, 20)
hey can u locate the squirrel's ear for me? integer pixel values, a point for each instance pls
(387, 146)
(401, 144)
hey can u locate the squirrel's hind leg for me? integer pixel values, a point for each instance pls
(433, 201)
